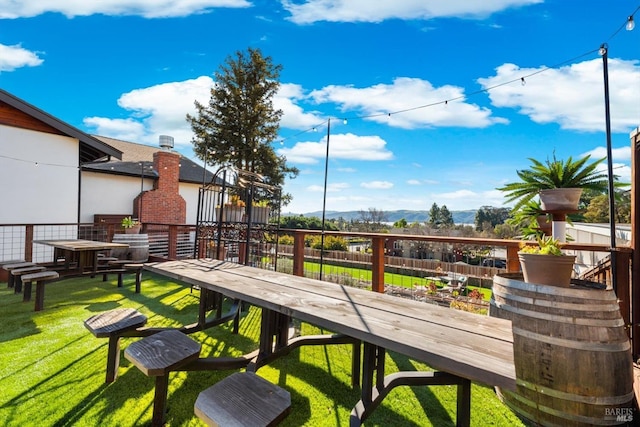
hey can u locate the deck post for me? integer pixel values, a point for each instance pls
(298, 253)
(377, 264)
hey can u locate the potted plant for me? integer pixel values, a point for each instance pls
(531, 219)
(234, 209)
(260, 212)
(130, 225)
(545, 263)
(559, 183)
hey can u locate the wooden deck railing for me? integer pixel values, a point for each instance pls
(177, 241)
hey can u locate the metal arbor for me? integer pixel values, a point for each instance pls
(233, 224)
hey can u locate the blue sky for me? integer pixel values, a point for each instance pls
(432, 90)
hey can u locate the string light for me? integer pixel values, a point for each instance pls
(603, 49)
(630, 23)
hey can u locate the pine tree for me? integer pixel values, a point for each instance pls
(239, 123)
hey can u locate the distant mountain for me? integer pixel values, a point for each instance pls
(459, 217)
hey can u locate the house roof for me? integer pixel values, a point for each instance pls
(91, 148)
(137, 160)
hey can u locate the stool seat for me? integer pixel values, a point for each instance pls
(14, 266)
(156, 356)
(15, 274)
(243, 399)
(160, 353)
(113, 324)
(41, 278)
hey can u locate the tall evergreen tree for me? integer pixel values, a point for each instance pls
(239, 123)
(434, 216)
(446, 218)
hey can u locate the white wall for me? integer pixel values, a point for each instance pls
(42, 193)
(104, 193)
(109, 194)
(189, 193)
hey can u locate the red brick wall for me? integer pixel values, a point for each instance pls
(163, 204)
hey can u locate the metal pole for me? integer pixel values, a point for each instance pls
(324, 197)
(604, 50)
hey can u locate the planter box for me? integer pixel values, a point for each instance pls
(260, 214)
(231, 213)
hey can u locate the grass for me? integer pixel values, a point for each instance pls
(389, 278)
(52, 369)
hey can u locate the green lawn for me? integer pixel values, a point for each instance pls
(52, 369)
(358, 274)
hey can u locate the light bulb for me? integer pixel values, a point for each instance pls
(630, 23)
(603, 50)
(344, 121)
(523, 81)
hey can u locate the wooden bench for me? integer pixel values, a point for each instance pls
(243, 399)
(121, 267)
(17, 272)
(12, 266)
(41, 278)
(156, 356)
(112, 324)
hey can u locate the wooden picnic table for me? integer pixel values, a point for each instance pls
(81, 253)
(461, 347)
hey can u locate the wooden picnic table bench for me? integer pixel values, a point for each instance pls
(461, 347)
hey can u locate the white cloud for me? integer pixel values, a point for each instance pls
(621, 153)
(571, 96)
(342, 146)
(294, 116)
(13, 57)
(11, 9)
(377, 185)
(160, 109)
(414, 182)
(405, 94)
(366, 11)
(123, 129)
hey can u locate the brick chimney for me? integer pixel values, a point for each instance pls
(163, 204)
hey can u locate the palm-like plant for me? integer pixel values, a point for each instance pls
(555, 174)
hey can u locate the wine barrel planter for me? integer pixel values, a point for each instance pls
(572, 355)
(138, 250)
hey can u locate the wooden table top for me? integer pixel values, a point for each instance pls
(479, 348)
(81, 245)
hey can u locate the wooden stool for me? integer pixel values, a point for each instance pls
(124, 267)
(156, 356)
(41, 278)
(243, 399)
(112, 324)
(15, 265)
(15, 274)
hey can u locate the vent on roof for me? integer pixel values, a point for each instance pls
(166, 142)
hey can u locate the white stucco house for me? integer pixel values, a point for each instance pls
(51, 172)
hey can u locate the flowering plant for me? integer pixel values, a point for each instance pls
(547, 245)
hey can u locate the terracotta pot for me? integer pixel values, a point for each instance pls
(133, 230)
(545, 224)
(560, 199)
(548, 270)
